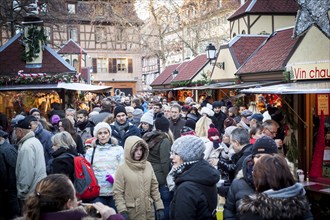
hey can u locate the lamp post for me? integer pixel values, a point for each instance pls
(211, 52)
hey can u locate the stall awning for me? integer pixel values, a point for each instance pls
(82, 87)
(212, 86)
(246, 85)
(304, 87)
(28, 87)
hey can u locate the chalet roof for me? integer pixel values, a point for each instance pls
(192, 68)
(11, 62)
(266, 7)
(179, 69)
(242, 46)
(71, 47)
(164, 75)
(273, 54)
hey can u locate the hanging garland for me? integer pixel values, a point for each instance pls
(45, 79)
(32, 42)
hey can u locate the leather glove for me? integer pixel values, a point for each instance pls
(125, 215)
(160, 214)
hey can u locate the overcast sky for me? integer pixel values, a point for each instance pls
(141, 6)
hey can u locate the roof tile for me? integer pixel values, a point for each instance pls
(189, 71)
(245, 46)
(71, 47)
(179, 69)
(272, 55)
(164, 75)
(266, 7)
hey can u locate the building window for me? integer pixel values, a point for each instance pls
(73, 34)
(102, 65)
(71, 8)
(120, 65)
(100, 34)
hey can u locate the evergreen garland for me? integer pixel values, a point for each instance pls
(32, 41)
(50, 79)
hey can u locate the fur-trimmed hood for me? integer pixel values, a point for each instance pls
(288, 203)
(154, 137)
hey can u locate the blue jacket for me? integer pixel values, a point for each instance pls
(131, 130)
(45, 137)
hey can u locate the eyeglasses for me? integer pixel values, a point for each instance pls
(272, 132)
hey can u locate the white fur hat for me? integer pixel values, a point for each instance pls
(99, 126)
(208, 111)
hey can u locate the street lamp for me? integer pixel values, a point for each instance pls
(211, 52)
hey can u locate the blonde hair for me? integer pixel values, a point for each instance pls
(202, 126)
(63, 139)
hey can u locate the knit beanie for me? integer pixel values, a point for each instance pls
(218, 104)
(137, 114)
(147, 118)
(33, 110)
(189, 148)
(129, 109)
(264, 145)
(55, 119)
(162, 123)
(212, 131)
(99, 126)
(119, 109)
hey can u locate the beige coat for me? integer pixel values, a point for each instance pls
(136, 187)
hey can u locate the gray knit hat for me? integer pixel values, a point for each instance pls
(189, 148)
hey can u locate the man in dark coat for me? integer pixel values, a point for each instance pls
(84, 126)
(9, 204)
(219, 117)
(105, 112)
(176, 122)
(121, 127)
(242, 147)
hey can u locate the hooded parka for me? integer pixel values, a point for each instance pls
(136, 186)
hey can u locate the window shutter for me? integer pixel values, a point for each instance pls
(94, 63)
(130, 65)
(112, 65)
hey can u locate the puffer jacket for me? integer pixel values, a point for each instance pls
(159, 151)
(30, 166)
(287, 203)
(241, 186)
(195, 195)
(106, 160)
(136, 187)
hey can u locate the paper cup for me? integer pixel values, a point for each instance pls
(301, 178)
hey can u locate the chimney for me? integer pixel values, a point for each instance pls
(34, 40)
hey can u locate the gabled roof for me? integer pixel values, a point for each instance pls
(192, 68)
(273, 54)
(242, 46)
(266, 7)
(11, 62)
(179, 69)
(164, 75)
(71, 47)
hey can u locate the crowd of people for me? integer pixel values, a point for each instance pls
(152, 160)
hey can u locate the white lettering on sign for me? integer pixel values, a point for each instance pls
(311, 71)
